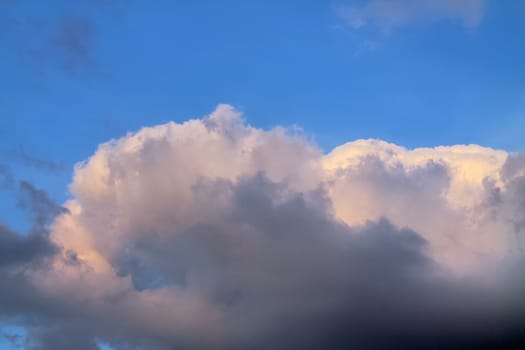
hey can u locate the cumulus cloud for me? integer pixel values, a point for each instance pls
(440, 192)
(212, 234)
(390, 14)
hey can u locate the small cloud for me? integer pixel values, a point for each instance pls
(19, 250)
(67, 42)
(388, 15)
(73, 41)
(30, 160)
(42, 208)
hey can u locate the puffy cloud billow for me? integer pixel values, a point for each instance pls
(212, 234)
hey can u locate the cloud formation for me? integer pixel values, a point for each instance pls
(212, 234)
(388, 15)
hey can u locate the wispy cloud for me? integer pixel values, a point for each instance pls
(73, 40)
(30, 160)
(388, 15)
(67, 42)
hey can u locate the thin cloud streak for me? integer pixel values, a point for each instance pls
(388, 15)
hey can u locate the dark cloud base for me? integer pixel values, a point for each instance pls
(288, 274)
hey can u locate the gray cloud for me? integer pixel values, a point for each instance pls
(73, 40)
(295, 278)
(509, 202)
(41, 207)
(290, 276)
(18, 249)
(254, 244)
(67, 42)
(44, 338)
(22, 255)
(30, 160)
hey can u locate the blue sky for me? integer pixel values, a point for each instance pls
(282, 63)
(74, 74)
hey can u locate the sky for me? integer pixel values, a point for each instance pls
(165, 165)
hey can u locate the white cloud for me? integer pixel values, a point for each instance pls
(390, 14)
(213, 234)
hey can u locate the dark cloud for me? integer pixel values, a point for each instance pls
(508, 203)
(18, 249)
(67, 41)
(514, 172)
(30, 160)
(284, 272)
(22, 255)
(62, 338)
(41, 207)
(73, 41)
(74, 37)
(289, 276)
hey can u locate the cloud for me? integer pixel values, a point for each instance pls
(32, 161)
(212, 234)
(41, 207)
(17, 249)
(67, 42)
(21, 254)
(388, 15)
(440, 192)
(73, 41)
